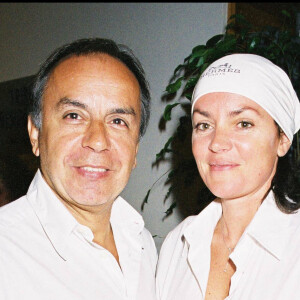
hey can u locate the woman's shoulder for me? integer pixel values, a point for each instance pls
(175, 241)
(178, 231)
(171, 253)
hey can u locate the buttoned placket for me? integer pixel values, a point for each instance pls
(86, 235)
(130, 257)
(241, 257)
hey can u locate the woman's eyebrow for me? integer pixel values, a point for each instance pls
(243, 109)
(202, 112)
(231, 113)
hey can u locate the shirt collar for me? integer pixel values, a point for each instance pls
(58, 223)
(198, 235)
(124, 216)
(271, 228)
(203, 225)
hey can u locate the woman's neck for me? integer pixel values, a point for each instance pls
(237, 215)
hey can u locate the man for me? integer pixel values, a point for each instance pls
(72, 236)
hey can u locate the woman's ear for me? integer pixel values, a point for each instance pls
(284, 145)
(33, 136)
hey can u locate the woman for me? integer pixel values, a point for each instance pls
(246, 243)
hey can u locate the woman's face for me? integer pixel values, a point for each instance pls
(236, 145)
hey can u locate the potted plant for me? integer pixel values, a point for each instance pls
(278, 44)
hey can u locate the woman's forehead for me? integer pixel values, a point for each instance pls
(229, 104)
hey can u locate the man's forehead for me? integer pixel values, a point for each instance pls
(86, 76)
(79, 61)
(94, 64)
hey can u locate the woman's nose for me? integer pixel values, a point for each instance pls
(221, 141)
(96, 137)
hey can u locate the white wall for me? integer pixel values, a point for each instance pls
(160, 34)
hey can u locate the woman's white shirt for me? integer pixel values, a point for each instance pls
(267, 257)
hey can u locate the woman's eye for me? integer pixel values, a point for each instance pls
(245, 124)
(202, 126)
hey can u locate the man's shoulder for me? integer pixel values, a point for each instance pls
(148, 238)
(16, 212)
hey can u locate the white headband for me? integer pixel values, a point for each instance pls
(258, 79)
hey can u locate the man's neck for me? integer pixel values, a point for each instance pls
(98, 220)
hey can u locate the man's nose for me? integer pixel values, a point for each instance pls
(96, 137)
(221, 141)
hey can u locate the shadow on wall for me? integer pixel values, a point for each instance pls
(186, 187)
(15, 178)
(17, 163)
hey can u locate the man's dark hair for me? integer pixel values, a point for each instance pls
(84, 47)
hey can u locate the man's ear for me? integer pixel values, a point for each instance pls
(136, 151)
(284, 145)
(33, 136)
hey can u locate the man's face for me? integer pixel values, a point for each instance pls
(90, 129)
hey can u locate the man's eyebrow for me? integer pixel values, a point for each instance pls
(127, 111)
(65, 101)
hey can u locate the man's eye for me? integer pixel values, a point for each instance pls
(245, 124)
(119, 122)
(73, 116)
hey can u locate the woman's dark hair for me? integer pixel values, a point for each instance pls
(286, 185)
(84, 47)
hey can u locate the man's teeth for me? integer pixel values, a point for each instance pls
(90, 169)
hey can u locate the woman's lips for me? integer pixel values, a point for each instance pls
(222, 166)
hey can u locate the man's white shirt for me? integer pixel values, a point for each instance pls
(46, 254)
(267, 257)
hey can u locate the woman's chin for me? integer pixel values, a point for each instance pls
(226, 193)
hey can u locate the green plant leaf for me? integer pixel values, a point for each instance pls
(203, 68)
(214, 40)
(162, 153)
(198, 51)
(253, 43)
(200, 62)
(188, 96)
(227, 44)
(165, 149)
(286, 13)
(145, 199)
(178, 68)
(275, 43)
(168, 143)
(147, 196)
(187, 58)
(191, 83)
(170, 209)
(171, 188)
(174, 87)
(168, 111)
(172, 173)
